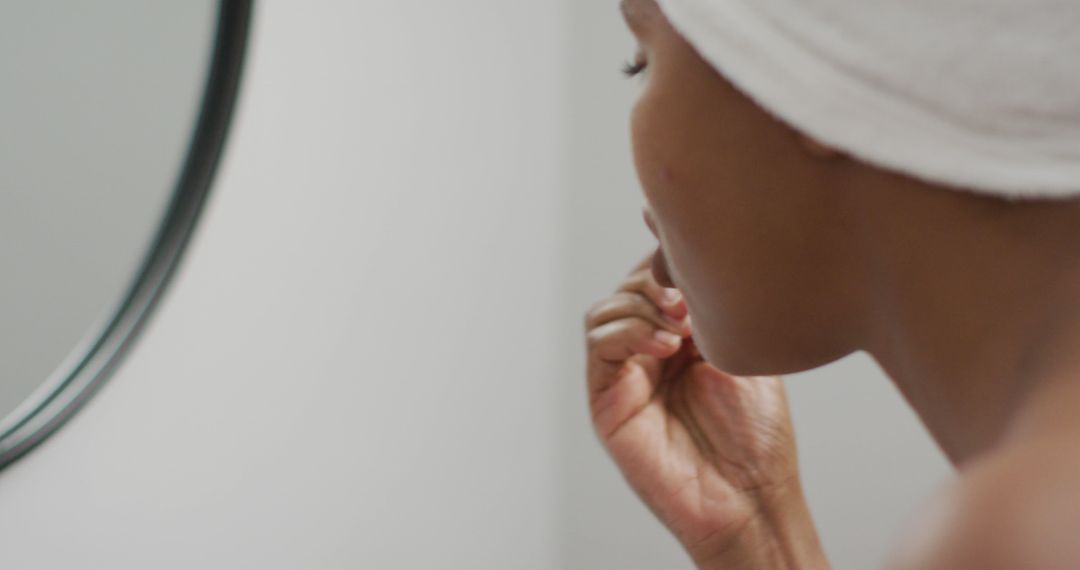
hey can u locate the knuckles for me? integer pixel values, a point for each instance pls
(636, 304)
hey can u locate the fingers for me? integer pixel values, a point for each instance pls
(669, 300)
(612, 345)
(633, 304)
(618, 340)
(640, 318)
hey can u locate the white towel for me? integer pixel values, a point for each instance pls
(983, 95)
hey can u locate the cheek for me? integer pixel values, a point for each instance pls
(658, 157)
(739, 218)
(674, 186)
(643, 139)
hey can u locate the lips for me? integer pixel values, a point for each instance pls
(659, 263)
(660, 269)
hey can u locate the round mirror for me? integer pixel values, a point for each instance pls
(114, 115)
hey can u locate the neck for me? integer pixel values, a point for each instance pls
(975, 308)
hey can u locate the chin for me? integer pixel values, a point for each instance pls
(738, 359)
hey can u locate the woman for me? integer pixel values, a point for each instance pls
(956, 268)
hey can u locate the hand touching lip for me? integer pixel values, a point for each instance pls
(659, 262)
(660, 269)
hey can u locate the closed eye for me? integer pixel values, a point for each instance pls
(633, 68)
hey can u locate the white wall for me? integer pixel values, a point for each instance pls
(355, 367)
(372, 357)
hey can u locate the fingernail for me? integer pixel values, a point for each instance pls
(671, 296)
(666, 337)
(681, 323)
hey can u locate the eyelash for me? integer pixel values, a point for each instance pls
(632, 68)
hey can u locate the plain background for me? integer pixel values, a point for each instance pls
(372, 356)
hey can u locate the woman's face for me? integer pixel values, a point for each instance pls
(750, 225)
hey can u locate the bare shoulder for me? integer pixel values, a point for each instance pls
(1015, 509)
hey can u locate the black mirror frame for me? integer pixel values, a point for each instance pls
(117, 335)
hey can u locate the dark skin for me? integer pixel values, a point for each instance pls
(787, 255)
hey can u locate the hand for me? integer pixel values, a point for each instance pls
(706, 451)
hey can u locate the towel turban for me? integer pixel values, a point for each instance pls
(982, 95)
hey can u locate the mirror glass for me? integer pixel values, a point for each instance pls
(100, 102)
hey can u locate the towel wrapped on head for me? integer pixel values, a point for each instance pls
(982, 95)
